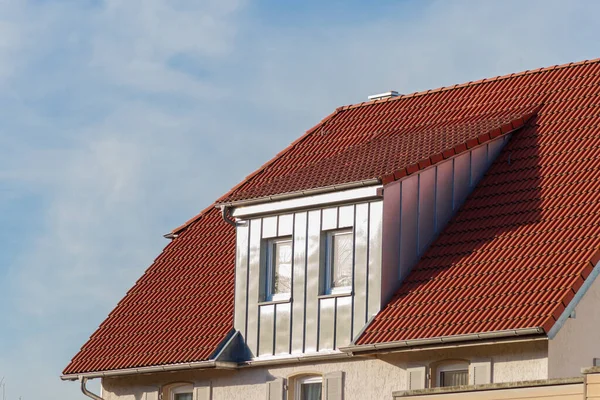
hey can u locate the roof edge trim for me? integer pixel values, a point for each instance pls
(506, 129)
(443, 339)
(574, 302)
(151, 369)
(302, 193)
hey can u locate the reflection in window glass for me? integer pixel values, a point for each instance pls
(279, 268)
(183, 396)
(339, 261)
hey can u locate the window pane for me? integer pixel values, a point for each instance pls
(454, 378)
(310, 391)
(341, 259)
(183, 396)
(282, 279)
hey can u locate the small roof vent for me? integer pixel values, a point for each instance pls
(386, 95)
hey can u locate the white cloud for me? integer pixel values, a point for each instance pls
(122, 146)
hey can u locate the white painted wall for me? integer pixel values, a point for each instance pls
(578, 341)
(375, 377)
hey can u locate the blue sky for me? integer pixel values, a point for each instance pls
(121, 119)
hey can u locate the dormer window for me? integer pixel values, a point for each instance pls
(338, 261)
(278, 269)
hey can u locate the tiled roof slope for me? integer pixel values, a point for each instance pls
(179, 311)
(527, 237)
(422, 123)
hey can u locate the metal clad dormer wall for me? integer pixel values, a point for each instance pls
(417, 208)
(309, 322)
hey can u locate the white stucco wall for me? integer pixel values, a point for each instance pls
(375, 377)
(578, 341)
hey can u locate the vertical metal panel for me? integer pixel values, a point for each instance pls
(326, 323)
(266, 330)
(253, 284)
(443, 203)
(241, 277)
(346, 217)
(462, 179)
(408, 225)
(478, 164)
(269, 227)
(426, 209)
(282, 328)
(312, 280)
(390, 239)
(298, 295)
(329, 218)
(286, 225)
(494, 148)
(343, 321)
(374, 279)
(361, 237)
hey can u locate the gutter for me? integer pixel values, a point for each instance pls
(324, 356)
(354, 348)
(301, 193)
(148, 370)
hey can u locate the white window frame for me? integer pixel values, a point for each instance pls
(450, 368)
(307, 380)
(329, 290)
(181, 389)
(270, 269)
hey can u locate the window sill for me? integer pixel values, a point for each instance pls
(275, 301)
(338, 294)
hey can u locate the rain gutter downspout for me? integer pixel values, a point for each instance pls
(226, 217)
(85, 390)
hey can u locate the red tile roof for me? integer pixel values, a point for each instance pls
(527, 237)
(179, 311)
(512, 257)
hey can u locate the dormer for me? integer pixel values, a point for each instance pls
(308, 271)
(311, 271)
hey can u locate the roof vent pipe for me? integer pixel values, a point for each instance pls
(386, 95)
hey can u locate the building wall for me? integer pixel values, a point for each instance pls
(578, 341)
(308, 322)
(364, 377)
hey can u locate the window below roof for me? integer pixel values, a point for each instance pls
(278, 269)
(179, 391)
(339, 251)
(451, 373)
(309, 388)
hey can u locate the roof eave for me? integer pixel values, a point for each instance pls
(152, 369)
(301, 193)
(354, 348)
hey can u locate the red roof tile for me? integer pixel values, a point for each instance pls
(511, 258)
(526, 238)
(179, 311)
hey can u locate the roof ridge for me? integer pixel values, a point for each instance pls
(469, 84)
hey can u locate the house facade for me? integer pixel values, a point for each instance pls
(442, 239)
